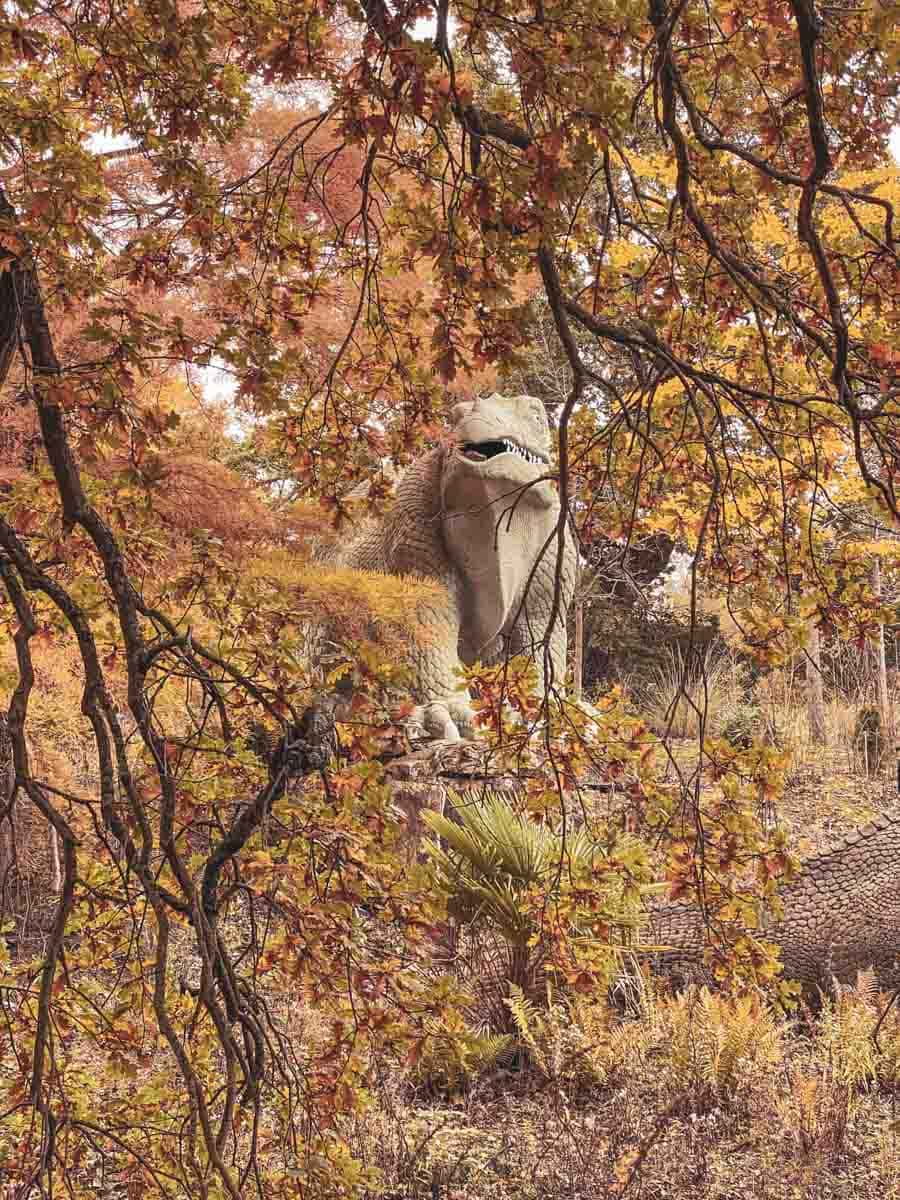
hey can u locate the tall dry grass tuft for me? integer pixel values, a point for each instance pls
(783, 702)
(784, 712)
(689, 695)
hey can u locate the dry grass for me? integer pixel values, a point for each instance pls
(701, 1096)
(680, 700)
(685, 696)
(694, 1097)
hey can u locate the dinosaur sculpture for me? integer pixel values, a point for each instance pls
(841, 915)
(480, 516)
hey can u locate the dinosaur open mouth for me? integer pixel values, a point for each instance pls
(481, 451)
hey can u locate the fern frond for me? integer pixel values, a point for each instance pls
(867, 986)
(528, 1024)
(475, 853)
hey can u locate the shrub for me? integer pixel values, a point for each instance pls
(452, 1055)
(743, 727)
(559, 1045)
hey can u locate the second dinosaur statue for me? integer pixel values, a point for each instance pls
(842, 915)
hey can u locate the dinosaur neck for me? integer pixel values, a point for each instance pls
(494, 533)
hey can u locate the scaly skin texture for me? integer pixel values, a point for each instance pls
(485, 528)
(841, 915)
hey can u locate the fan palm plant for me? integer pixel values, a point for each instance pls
(505, 875)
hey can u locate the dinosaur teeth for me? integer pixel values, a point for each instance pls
(481, 451)
(514, 448)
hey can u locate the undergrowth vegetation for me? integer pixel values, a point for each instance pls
(502, 1034)
(699, 1095)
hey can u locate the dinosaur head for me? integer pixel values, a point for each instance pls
(501, 443)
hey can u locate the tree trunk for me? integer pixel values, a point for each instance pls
(815, 688)
(578, 650)
(884, 703)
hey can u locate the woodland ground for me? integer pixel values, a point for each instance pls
(695, 1111)
(695, 1098)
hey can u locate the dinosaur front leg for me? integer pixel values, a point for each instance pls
(443, 710)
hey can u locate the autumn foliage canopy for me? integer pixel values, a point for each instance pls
(250, 252)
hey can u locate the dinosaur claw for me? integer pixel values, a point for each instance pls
(435, 719)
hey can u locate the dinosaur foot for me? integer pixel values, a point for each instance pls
(445, 720)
